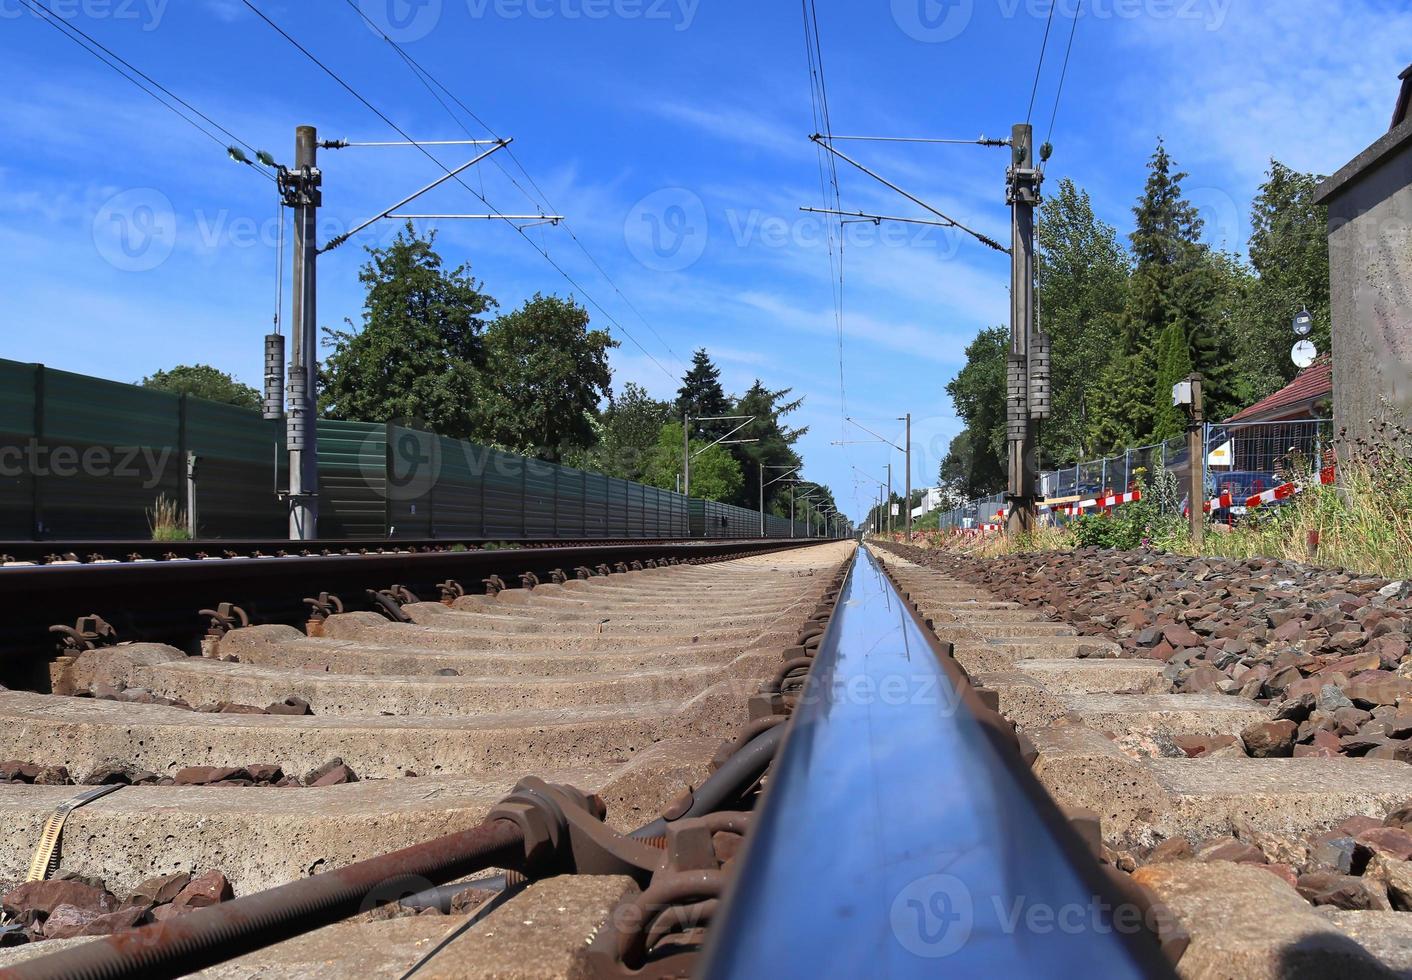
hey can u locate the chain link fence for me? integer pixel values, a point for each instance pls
(1239, 458)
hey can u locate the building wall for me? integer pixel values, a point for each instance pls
(1370, 256)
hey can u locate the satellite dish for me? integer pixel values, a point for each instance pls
(1303, 354)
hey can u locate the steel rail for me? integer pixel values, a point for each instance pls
(95, 550)
(161, 601)
(900, 836)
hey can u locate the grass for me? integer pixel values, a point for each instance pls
(1362, 523)
(167, 521)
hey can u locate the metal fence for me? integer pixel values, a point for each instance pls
(1242, 458)
(81, 457)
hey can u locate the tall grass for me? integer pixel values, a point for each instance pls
(1362, 523)
(167, 521)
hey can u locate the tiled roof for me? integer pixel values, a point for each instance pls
(1314, 382)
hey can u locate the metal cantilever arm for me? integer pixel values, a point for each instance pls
(338, 240)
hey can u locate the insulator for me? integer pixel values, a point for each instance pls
(1041, 394)
(1016, 397)
(274, 376)
(297, 428)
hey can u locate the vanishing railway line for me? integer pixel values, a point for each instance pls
(733, 746)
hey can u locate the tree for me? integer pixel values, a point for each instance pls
(715, 474)
(1177, 283)
(420, 348)
(1290, 255)
(977, 457)
(627, 434)
(1082, 273)
(965, 475)
(1173, 364)
(545, 373)
(700, 394)
(204, 381)
(772, 446)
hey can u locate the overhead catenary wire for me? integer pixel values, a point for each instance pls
(117, 64)
(429, 155)
(431, 83)
(982, 140)
(1064, 71)
(1044, 45)
(828, 179)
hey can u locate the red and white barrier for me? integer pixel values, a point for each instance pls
(1112, 500)
(1220, 502)
(1286, 490)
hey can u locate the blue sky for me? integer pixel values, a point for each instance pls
(673, 135)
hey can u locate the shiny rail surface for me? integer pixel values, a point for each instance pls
(900, 838)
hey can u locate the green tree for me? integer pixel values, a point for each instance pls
(1290, 255)
(715, 474)
(977, 457)
(204, 381)
(773, 445)
(1082, 282)
(545, 373)
(1177, 282)
(1173, 364)
(627, 434)
(420, 348)
(701, 394)
(1119, 408)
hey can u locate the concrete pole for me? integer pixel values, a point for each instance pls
(686, 455)
(908, 443)
(1022, 192)
(791, 510)
(1196, 455)
(762, 498)
(191, 524)
(889, 498)
(302, 431)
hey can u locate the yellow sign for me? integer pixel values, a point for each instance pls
(1223, 455)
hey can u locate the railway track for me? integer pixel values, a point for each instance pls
(108, 551)
(399, 731)
(917, 774)
(178, 601)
